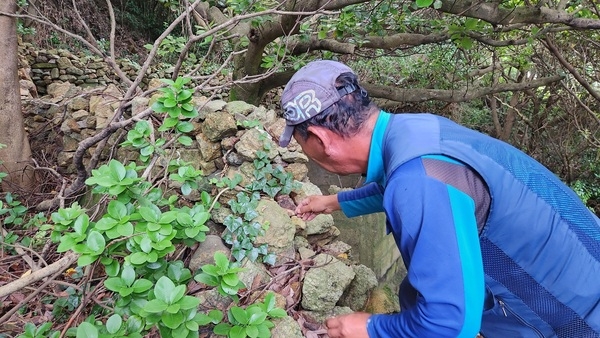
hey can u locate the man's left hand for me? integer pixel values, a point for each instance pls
(353, 325)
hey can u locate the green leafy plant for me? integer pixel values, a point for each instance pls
(223, 275)
(187, 176)
(176, 102)
(43, 331)
(174, 312)
(253, 321)
(14, 210)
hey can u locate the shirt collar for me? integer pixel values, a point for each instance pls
(375, 171)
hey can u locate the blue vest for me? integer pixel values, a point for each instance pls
(540, 244)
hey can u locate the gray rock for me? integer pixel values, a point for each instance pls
(280, 233)
(286, 327)
(254, 140)
(357, 294)
(208, 150)
(319, 225)
(324, 285)
(321, 316)
(239, 107)
(206, 250)
(217, 126)
(253, 271)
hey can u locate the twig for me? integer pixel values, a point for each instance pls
(56, 267)
(9, 314)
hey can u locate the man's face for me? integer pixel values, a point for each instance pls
(329, 159)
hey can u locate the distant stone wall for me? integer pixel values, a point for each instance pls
(45, 66)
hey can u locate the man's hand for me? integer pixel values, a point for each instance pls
(353, 325)
(314, 205)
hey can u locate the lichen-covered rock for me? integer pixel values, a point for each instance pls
(324, 284)
(357, 293)
(217, 126)
(253, 140)
(281, 231)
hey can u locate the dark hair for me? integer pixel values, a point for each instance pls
(346, 116)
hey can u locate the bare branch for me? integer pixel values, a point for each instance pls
(458, 95)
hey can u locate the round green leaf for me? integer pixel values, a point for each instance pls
(163, 289)
(222, 329)
(231, 279)
(155, 306)
(128, 275)
(252, 331)
(113, 324)
(86, 330)
(239, 314)
(114, 284)
(84, 260)
(172, 320)
(96, 242)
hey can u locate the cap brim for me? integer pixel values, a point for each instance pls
(286, 137)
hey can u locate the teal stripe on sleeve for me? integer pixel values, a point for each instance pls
(463, 211)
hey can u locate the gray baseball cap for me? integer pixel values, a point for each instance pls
(310, 91)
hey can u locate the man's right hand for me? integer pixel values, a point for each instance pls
(315, 205)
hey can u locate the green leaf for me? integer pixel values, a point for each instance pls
(176, 294)
(66, 243)
(81, 224)
(114, 284)
(185, 140)
(173, 308)
(125, 230)
(141, 285)
(257, 318)
(269, 301)
(207, 279)
(239, 314)
(30, 329)
(221, 261)
(84, 260)
(113, 324)
(128, 275)
(106, 223)
(96, 242)
(252, 331)
(222, 329)
(111, 266)
(185, 127)
(155, 306)
(87, 330)
(231, 279)
(118, 170)
(277, 313)
(237, 332)
(163, 289)
(172, 320)
(184, 219)
(189, 302)
(186, 189)
(116, 209)
(146, 244)
(138, 258)
(424, 3)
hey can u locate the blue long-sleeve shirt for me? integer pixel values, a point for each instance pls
(492, 241)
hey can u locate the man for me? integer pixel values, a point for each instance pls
(493, 242)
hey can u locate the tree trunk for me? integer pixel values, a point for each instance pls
(16, 156)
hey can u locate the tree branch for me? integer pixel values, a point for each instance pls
(457, 95)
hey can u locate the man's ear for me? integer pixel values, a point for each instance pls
(323, 136)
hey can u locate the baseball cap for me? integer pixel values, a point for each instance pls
(310, 91)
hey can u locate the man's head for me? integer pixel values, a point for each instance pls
(323, 93)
